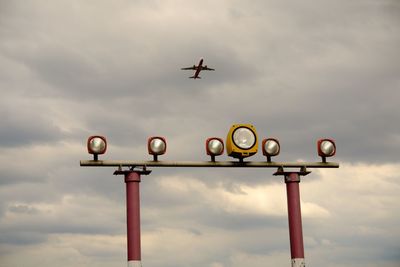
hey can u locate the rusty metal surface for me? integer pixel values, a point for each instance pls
(199, 164)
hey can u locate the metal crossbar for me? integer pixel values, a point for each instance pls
(199, 164)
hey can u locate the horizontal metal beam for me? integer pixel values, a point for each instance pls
(196, 164)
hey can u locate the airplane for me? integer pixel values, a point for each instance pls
(197, 69)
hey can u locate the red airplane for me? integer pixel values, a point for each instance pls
(197, 68)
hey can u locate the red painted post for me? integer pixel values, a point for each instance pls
(132, 180)
(292, 181)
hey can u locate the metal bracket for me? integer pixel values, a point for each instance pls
(303, 172)
(142, 171)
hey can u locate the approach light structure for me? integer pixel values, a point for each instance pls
(96, 145)
(241, 142)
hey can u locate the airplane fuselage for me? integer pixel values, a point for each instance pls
(198, 69)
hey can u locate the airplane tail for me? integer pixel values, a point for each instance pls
(194, 77)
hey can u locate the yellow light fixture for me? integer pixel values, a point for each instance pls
(242, 141)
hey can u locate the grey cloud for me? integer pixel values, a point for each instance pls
(21, 238)
(27, 132)
(8, 176)
(22, 209)
(278, 100)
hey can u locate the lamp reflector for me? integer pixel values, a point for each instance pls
(326, 147)
(157, 145)
(271, 147)
(214, 146)
(97, 144)
(244, 138)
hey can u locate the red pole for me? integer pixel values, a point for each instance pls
(132, 180)
(292, 181)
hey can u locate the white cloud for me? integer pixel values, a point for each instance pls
(68, 250)
(265, 199)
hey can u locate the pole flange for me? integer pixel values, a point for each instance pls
(143, 171)
(281, 172)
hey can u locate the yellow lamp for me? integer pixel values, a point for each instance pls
(242, 141)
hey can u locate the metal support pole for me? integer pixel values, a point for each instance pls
(132, 180)
(292, 181)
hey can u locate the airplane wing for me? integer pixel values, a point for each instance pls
(190, 68)
(206, 68)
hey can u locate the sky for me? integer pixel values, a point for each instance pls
(297, 71)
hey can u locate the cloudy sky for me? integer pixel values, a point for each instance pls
(296, 70)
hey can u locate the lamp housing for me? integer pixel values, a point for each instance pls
(214, 147)
(96, 145)
(326, 148)
(156, 146)
(241, 141)
(270, 148)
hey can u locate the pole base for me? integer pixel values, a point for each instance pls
(298, 263)
(134, 264)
